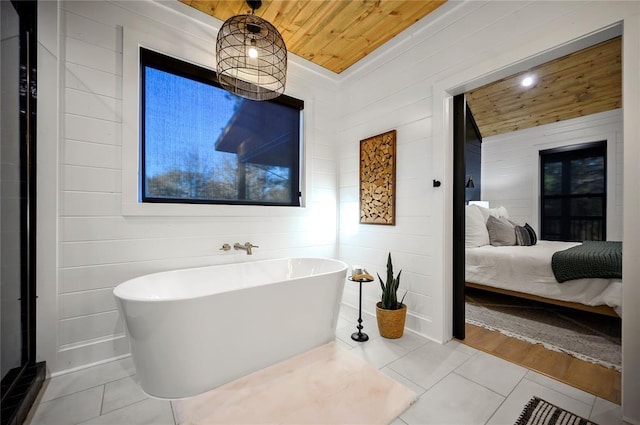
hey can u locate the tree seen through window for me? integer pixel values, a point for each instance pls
(204, 144)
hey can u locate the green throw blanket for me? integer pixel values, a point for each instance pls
(591, 259)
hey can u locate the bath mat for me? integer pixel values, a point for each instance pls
(326, 385)
(541, 412)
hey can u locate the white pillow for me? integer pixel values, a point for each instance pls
(476, 233)
(500, 212)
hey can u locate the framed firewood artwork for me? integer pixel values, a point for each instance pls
(378, 179)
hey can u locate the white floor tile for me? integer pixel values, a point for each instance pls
(455, 384)
(342, 322)
(410, 341)
(454, 400)
(606, 413)
(146, 412)
(462, 347)
(510, 410)
(343, 344)
(379, 352)
(348, 311)
(70, 409)
(121, 393)
(81, 380)
(492, 372)
(561, 387)
(344, 335)
(430, 363)
(351, 315)
(417, 389)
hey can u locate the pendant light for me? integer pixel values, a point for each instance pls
(251, 57)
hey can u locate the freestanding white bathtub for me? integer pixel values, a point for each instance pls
(192, 330)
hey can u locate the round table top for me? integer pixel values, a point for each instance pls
(359, 280)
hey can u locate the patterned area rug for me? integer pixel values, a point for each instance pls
(541, 412)
(591, 337)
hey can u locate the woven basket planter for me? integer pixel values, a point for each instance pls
(391, 322)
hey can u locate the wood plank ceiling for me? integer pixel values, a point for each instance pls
(582, 83)
(334, 34)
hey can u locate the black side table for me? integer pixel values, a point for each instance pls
(360, 336)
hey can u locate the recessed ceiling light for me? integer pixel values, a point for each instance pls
(527, 81)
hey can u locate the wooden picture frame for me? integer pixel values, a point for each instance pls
(378, 179)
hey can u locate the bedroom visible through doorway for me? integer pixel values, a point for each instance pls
(590, 198)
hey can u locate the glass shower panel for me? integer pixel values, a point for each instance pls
(10, 201)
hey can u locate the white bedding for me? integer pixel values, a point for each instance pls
(528, 269)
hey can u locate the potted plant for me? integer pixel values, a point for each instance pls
(390, 313)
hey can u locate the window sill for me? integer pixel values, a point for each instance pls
(206, 210)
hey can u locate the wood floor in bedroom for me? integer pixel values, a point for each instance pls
(595, 379)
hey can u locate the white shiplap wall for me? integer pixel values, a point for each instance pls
(98, 245)
(459, 35)
(405, 86)
(511, 171)
(408, 87)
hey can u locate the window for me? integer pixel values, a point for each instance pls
(202, 144)
(574, 198)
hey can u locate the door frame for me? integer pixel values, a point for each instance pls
(444, 94)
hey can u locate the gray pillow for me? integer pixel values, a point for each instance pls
(532, 233)
(523, 237)
(501, 232)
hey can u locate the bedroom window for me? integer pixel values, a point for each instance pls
(573, 192)
(202, 144)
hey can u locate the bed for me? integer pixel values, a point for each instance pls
(525, 271)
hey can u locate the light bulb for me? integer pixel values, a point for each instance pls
(527, 81)
(252, 52)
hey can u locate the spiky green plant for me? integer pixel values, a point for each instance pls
(389, 297)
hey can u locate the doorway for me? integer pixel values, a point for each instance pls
(460, 168)
(490, 90)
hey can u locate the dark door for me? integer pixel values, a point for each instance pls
(467, 159)
(459, 171)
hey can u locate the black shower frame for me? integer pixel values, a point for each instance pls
(20, 386)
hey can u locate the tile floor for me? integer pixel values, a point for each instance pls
(455, 384)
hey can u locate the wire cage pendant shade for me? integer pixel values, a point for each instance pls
(251, 58)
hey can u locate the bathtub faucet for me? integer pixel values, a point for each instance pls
(246, 247)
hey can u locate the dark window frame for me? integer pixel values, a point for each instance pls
(565, 154)
(159, 61)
